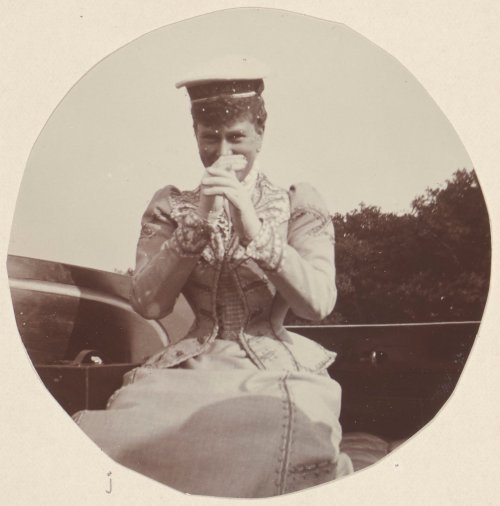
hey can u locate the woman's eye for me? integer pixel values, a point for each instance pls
(209, 140)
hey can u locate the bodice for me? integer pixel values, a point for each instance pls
(236, 291)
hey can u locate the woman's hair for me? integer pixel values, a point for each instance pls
(223, 110)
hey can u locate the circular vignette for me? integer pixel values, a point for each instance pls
(343, 114)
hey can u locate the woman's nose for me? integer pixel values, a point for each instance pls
(225, 148)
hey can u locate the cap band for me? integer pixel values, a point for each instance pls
(233, 88)
(233, 95)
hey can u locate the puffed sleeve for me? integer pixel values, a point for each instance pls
(303, 267)
(167, 252)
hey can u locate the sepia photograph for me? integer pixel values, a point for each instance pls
(249, 255)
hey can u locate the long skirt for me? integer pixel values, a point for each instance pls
(218, 426)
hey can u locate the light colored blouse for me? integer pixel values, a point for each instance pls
(239, 292)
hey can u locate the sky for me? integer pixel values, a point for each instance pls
(343, 115)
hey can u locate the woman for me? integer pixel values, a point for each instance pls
(239, 407)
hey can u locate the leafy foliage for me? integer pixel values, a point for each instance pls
(432, 264)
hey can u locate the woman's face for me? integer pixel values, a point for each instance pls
(238, 138)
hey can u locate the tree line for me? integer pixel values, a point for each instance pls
(430, 264)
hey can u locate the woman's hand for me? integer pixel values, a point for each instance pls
(214, 203)
(220, 182)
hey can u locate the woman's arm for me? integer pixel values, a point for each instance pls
(302, 270)
(169, 247)
(167, 252)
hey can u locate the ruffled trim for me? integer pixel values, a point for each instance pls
(267, 248)
(191, 235)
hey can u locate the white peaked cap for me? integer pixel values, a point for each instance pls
(226, 68)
